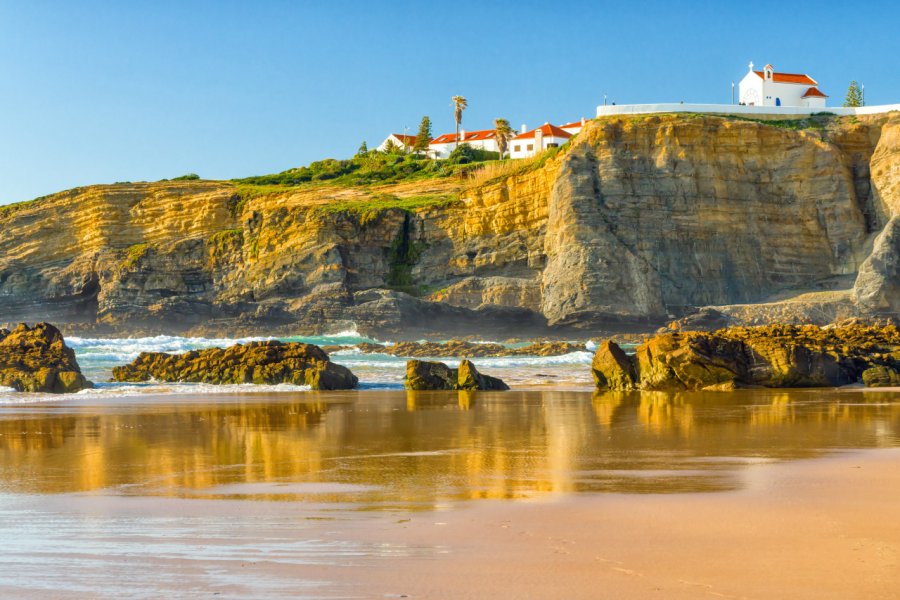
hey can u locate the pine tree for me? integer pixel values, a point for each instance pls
(390, 147)
(363, 149)
(423, 138)
(854, 95)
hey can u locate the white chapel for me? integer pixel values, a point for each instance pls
(771, 88)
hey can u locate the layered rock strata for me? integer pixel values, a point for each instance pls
(270, 362)
(637, 221)
(775, 356)
(36, 359)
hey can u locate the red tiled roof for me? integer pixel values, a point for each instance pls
(406, 139)
(470, 136)
(547, 130)
(814, 92)
(789, 78)
(577, 123)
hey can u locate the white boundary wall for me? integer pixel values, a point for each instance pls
(738, 109)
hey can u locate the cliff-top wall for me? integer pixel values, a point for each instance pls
(638, 219)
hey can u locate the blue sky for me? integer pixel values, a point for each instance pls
(98, 92)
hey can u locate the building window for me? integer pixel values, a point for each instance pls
(553, 145)
(517, 148)
(530, 147)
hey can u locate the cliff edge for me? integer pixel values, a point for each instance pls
(636, 221)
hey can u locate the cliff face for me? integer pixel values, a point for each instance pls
(635, 221)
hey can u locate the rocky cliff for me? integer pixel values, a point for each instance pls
(635, 221)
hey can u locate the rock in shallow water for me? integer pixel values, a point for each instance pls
(269, 362)
(36, 359)
(424, 375)
(773, 356)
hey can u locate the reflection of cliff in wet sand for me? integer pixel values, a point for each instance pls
(420, 448)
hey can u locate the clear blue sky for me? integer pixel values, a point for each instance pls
(97, 92)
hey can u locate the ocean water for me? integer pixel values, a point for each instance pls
(98, 356)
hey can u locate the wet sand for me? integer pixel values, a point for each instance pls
(817, 528)
(827, 528)
(760, 494)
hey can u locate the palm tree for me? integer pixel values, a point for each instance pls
(503, 133)
(459, 105)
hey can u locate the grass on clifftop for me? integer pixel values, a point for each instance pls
(375, 168)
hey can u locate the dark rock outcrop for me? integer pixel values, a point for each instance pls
(270, 362)
(36, 359)
(425, 375)
(773, 356)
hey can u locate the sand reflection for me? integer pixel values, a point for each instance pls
(420, 449)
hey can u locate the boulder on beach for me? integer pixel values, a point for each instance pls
(881, 377)
(425, 375)
(768, 356)
(36, 359)
(468, 378)
(269, 362)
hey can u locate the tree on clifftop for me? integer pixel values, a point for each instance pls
(391, 148)
(504, 133)
(854, 95)
(459, 105)
(423, 138)
(363, 149)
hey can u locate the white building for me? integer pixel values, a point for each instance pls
(400, 140)
(573, 127)
(529, 143)
(443, 145)
(770, 88)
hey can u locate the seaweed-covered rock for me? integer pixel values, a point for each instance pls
(455, 348)
(425, 375)
(770, 356)
(881, 376)
(36, 359)
(269, 362)
(612, 368)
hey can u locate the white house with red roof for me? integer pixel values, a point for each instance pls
(399, 140)
(443, 145)
(573, 127)
(529, 143)
(771, 88)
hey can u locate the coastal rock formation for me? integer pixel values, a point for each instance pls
(773, 356)
(269, 362)
(36, 359)
(635, 222)
(878, 283)
(424, 375)
(881, 377)
(455, 348)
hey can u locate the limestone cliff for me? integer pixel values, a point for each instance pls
(635, 221)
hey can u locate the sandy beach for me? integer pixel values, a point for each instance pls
(826, 528)
(821, 528)
(759, 494)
